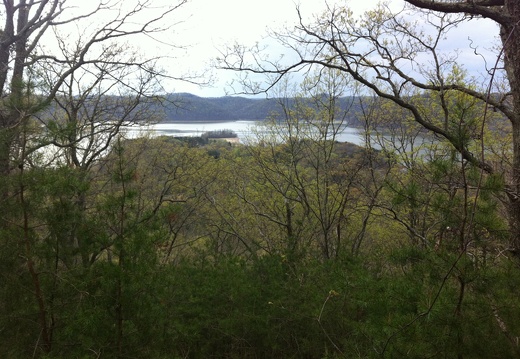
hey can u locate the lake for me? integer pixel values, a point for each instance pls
(244, 130)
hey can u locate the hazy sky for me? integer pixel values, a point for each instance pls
(213, 23)
(205, 25)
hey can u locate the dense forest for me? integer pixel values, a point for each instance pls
(297, 246)
(293, 245)
(183, 107)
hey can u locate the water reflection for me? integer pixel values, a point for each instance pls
(246, 130)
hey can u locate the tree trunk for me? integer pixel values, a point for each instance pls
(10, 116)
(514, 205)
(510, 36)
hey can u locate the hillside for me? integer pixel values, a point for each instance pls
(184, 107)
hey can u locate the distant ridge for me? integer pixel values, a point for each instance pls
(186, 107)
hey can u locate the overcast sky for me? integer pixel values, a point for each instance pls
(205, 25)
(210, 24)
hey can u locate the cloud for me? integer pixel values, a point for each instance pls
(213, 24)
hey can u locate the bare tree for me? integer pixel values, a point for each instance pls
(28, 24)
(400, 57)
(73, 91)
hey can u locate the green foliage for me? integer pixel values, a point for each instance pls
(164, 250)
(293, 247)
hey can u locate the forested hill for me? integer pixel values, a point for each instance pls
(184, 107)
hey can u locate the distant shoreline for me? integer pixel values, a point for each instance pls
(173, 122)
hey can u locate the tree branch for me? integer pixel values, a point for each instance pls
(491, 9)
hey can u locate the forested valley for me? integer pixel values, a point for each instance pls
(185, 107)
(296, 246)
(292, 245)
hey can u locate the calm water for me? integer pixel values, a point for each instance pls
(245, 130)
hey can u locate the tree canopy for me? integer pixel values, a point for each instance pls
(400, 57)
(291, 245)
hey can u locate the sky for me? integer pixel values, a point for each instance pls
(203, 27)
(211, 24)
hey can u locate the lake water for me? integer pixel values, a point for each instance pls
(244, 129)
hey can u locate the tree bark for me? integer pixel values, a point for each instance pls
(510, 36)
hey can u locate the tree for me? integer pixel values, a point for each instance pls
(400, 57)
(28, 26)
(299, 192)
(506, 13)
(73, 93)
(300, 159)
